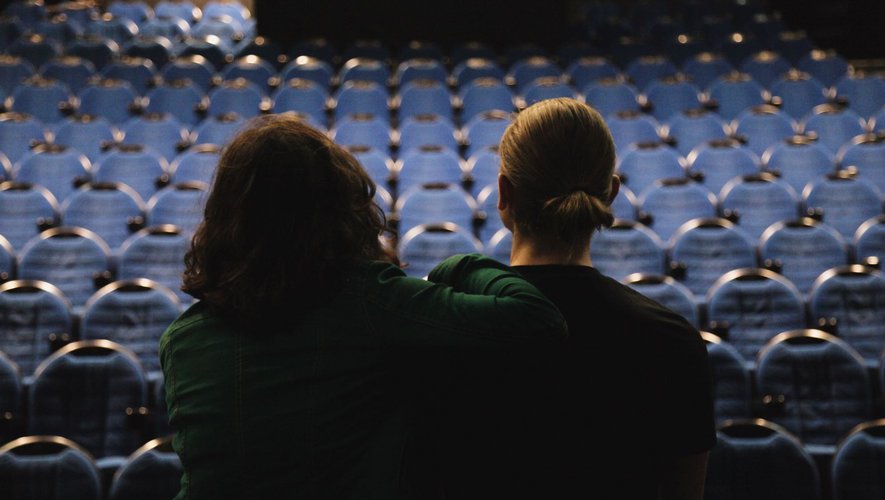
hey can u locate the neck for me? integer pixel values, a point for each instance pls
(527, 251)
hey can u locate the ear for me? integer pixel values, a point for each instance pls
(505, 193)
(616, 186)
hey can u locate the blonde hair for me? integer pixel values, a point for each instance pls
(559, 156)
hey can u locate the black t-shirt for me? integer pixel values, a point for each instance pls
(631, 385)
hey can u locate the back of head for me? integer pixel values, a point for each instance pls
(559, 156)
(287, 211)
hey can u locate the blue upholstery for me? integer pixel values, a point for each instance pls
(34, 48)
(152, 472)
(133, 314)
(179, 204)
(484, 130)
(752, 306)
(766, 67)
(629, 128)
(135, 165)
(99, 51)
(155, 253)
(799, 93)
(867, 154)
(109, 99)
(14, 70)
(483, 167)
(763, 462)
(845, 201)
(472, 68)
(197, 163)
(865, 93)
(54, 167)
(484, 94)
(69, 258)
(216, 130)
(671, 97)
(825, 65)
(304, 96)
(423, 97)
(185, 10)
(759, 201)
(239, 96)
(525, 71)
(609, 96)
(625, 205)
(694, 129)
(643, 164)
(376, 162)
(547, 88)
(171, 28)
(31, 468)
(428, 164)
(138, 71)
(804, 249)
(161, 132)
(11, 395)
(487, 202)
(628, 247)
(499, 245)
(799, 161)
(821, 383)
(834, 126)
(763, 127)
(705, 249)
(869, 240)
(360, 97)
(136, 11)
(425, 246)
(308, 68)
(706, 68)
(180, 98)
(735, 93)
(253, 69)
(427, 130)
(644, 71)
(721, 161)
(31, 313)
(363, 130)
(70, 70)
(105, 209)
(194, 68)
(82, 392)
(671, 202)
(364, 69)
(420, 68)
(434, 204)
(667, 291)
(853, 297)
(85, 134)
(40, 98)
(21, 208)
(213, 49)
(586, 70)
(732, 380)
(18, 133)
(859, 463)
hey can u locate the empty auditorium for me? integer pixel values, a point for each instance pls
(270, 250)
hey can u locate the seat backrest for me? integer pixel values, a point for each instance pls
(11, 396)
(110, 210)
(705, 249)
(695, 128)
(669, 203)
(858, 463)
(667, 291)
(48, 467)
(748, 307)
(133, 313)
(732, 380)
(424, 246)
(798, 160)
(869, 241)
(813, 384)
(851, 299)
(720, 161)
(758, 201)
(152, 471)
(643, 164)
(180, 204)
(33, 314)
(761, 460)
(434, 203)
(628, 247)
(197, 163)
(69, 258)
(90, 391)
(428, 164)
(23, 207)
(843, 200)
(156, 253)
(801, 249)
(54, 167)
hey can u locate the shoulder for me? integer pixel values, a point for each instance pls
(195, 318)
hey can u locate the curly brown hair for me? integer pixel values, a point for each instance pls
(288, 211)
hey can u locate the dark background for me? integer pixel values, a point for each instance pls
(854, 28)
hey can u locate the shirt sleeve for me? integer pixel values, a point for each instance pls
(467, 301)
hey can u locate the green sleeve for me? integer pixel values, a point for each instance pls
(468, 300)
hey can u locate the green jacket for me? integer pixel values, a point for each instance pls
(329, 406)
